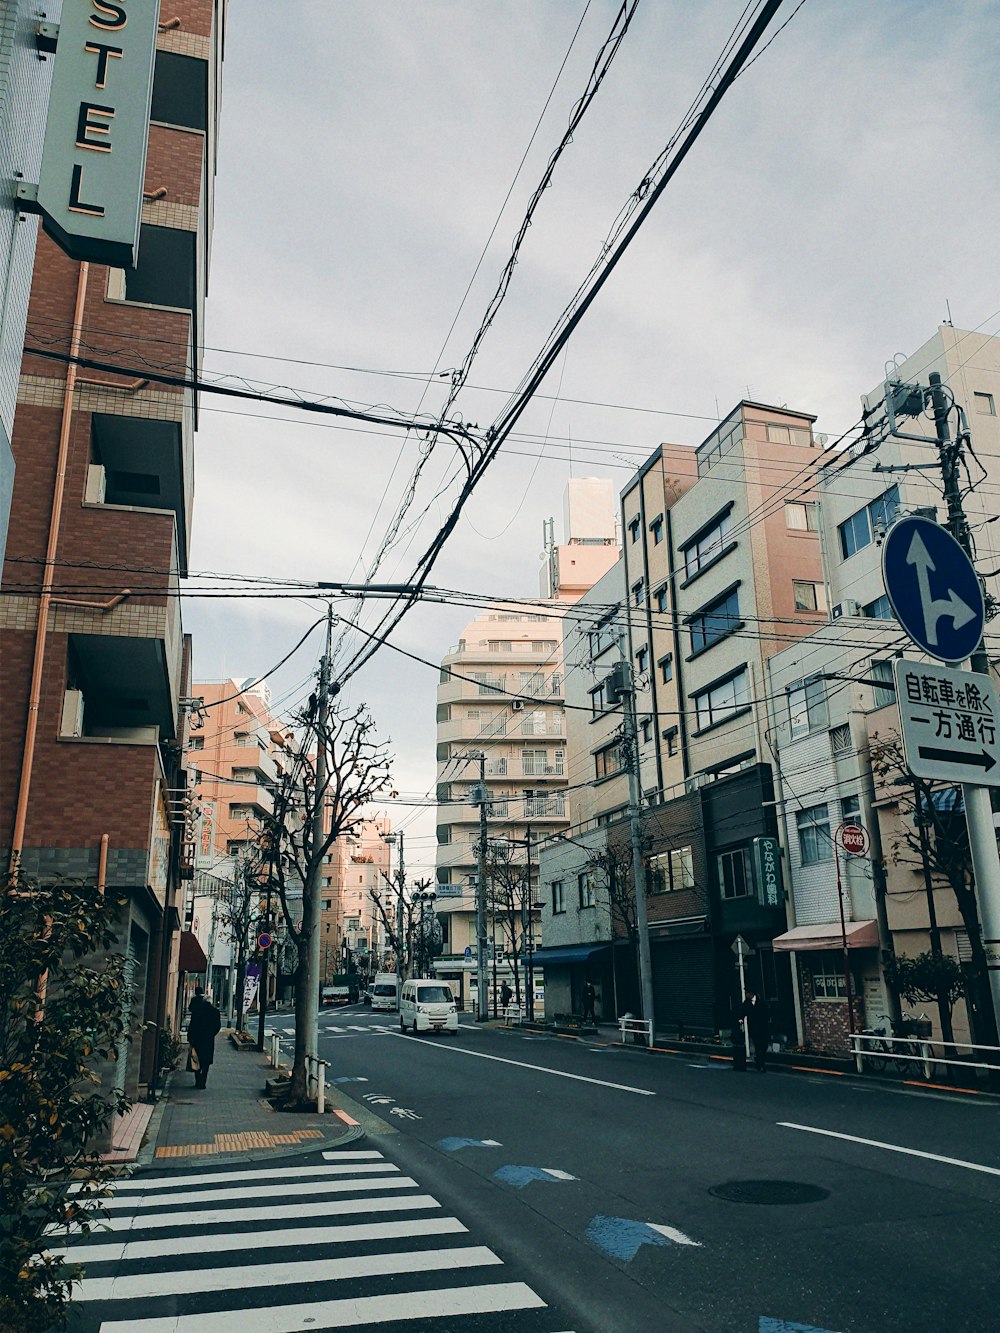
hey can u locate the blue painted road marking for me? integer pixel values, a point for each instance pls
(519, 1176)
(344, 1079)
(782, 1326)
(453, 1145)
(623, 1237)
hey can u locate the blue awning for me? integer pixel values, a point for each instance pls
(570, 953)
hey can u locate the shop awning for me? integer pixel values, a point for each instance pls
(192, 955)
(860, 935)
(680, 926)
(570, 953)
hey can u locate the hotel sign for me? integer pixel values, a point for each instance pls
(94, 158)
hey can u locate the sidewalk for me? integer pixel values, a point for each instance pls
(230, 1120)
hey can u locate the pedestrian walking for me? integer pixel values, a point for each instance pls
(589, 999)
(505, 995)
(203, 1025)
(758, 1019)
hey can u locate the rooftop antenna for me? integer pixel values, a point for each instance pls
(947, 306)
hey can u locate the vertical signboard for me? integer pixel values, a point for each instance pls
(767, 866)
(94, 157)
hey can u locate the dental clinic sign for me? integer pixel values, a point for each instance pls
(94, 158)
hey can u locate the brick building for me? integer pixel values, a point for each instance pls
(94, 664)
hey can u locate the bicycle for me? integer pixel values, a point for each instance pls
(877, 1051)
(901, 1049)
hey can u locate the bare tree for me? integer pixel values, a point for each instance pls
(946, 846)
(387, 904)
(506, 890)
(237, 909)
(356, 768)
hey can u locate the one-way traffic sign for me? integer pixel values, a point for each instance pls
(933, 589)
(950, 721)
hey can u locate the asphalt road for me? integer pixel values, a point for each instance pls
(600, 1177)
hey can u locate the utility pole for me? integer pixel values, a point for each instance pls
(978, 808)
(311, 895)
(400, 889)
(528, 930)
(624, 686)
(482, 987)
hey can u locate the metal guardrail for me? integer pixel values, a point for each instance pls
(635, 1027)
(878, 1050)
(316, 1077)
(513, 1014)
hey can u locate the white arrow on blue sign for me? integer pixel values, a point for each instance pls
(933, 589)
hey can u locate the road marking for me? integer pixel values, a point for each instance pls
(270, 1191)
(140, 1286)
(244, 1241)
(538, 1069)
(895, 1147)
(347, 1313)
(348, 1120)
(672, 1233)
(210, 1179)
(268, 1212)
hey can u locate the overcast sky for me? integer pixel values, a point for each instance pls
(844, 196)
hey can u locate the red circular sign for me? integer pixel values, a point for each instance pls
(263, 940)
(853, 838)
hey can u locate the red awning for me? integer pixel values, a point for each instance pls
(860, 935)
(192, 955)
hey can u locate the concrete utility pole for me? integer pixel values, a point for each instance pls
(481, 945)
(400, 890)
(311, 896)
(978, 809)
(625, 687)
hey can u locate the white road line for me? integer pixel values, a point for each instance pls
(522, 1064)
(206, 1195)
(268, 1212)
(208, 1180)
(140, 1286)
(244, 1241)
(895, 1147)
(356, 1027)
(671, 1233)
(351, 1313)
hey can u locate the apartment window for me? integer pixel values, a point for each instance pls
(585, 887)
(809, 596)
(642, 660)
(673, 870)
(715, 621)
(646, 727)
(633, 528)
(840, 739)
(489, 684)
(984, 404)
(789, 435)
(722, 700)
(670, 736)
(656, 528)
(706, 546)
(599, 699)
(801, 516)
(558, 896)
(660, 598)
(499, 645)
(861, 528)
(531, 682)
(826, 972)
(883, 696)
(639, 592)
(815, 844)
(543, 645)
(878, 610)
(666, 665)
(850, 810)
(735, 875)
(602, 638)
(807, 710)
(608, 761)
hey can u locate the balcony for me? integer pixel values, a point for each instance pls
(533, 769)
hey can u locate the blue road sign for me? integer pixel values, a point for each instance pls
(933, 589)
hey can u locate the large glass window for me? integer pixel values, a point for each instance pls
(705, 547)
(608, 761)
(809, 596)
(807, 709)
(671, 871)
(735, 874)
(558, 896)
(826, 971)
(602, 638)
(861, 528)
(722, 700)
(585, 888)
(882, 670)
(715, 621)
(878, 610)
(815, 843)
(801, 516)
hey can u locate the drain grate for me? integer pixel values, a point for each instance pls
(769, 1191)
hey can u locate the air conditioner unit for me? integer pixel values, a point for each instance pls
(847, 608)
(97, 481)
(517, 704)
(72, 717)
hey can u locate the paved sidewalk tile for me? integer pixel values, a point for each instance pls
(232, 1116)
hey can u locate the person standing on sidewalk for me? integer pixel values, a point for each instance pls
(758, 1018)
(203, 1026)
(589, 999)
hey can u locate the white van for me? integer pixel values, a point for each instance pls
(428, 1006)
(385, 991)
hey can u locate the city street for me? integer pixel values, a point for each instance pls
(548, 1184)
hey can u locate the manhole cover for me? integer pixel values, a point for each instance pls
(769, 1191)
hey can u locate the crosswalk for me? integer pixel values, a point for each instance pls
(341, 1029)
(345, 1241)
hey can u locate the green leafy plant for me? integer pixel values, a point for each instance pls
(171, 1050)
(926, 978)
(62, 995)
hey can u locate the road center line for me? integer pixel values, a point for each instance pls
(522, 1064)
(894, 1147)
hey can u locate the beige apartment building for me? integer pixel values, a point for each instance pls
(352, 933)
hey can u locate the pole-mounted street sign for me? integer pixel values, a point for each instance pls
(950, 721)
(933, 589)
(853, 838)
(263, 940)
